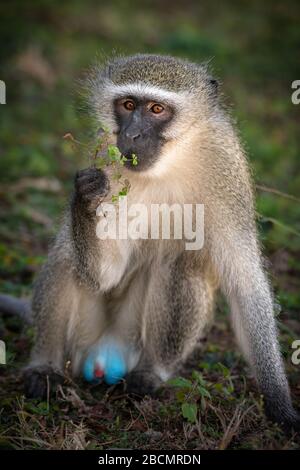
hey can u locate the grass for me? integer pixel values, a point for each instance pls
(252, 47)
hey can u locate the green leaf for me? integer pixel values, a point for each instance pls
(180, 382)
(114, 153)
(134, 160)
(225, 371)
(124, 191)
(219, 387)
(181, 396)
(204, 393)
(123, 159)
(199, 378)
(189, 412)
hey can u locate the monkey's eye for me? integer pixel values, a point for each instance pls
(157, 108)
(129, 105)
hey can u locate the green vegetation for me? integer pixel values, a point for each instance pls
(104, 155)
(45, 47)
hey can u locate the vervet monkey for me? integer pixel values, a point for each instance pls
(153, 295)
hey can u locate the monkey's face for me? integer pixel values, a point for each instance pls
(141, 123)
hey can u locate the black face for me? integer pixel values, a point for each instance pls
(140, 126)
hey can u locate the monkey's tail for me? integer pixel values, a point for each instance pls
(11, 306)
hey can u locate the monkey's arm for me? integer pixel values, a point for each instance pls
(178, 306)
(59, 292)
(52, 305)
(91, 186)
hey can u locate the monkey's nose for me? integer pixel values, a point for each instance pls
(132, 135)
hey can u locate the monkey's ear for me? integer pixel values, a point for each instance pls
(214, 86)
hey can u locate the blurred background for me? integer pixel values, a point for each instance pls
(46, 47)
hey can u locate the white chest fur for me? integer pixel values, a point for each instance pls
(115, 258)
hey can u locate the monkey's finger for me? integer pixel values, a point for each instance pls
(92, 190)
(100, 181)
(89, 173)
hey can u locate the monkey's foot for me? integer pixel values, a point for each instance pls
(143, 382)
(292, 424)
(41, 381)
(287, 417)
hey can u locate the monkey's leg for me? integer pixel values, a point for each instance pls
(249, 295)
(54, 300)
(68, 320)
(178, 307)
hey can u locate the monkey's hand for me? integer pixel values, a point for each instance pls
(91, 186)
(143, 382)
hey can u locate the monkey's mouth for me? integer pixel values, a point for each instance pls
(138, 157)
(131, 162)
(128, 157)
(133, 158)
(126, 151)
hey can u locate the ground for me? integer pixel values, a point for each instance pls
(252, 50)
